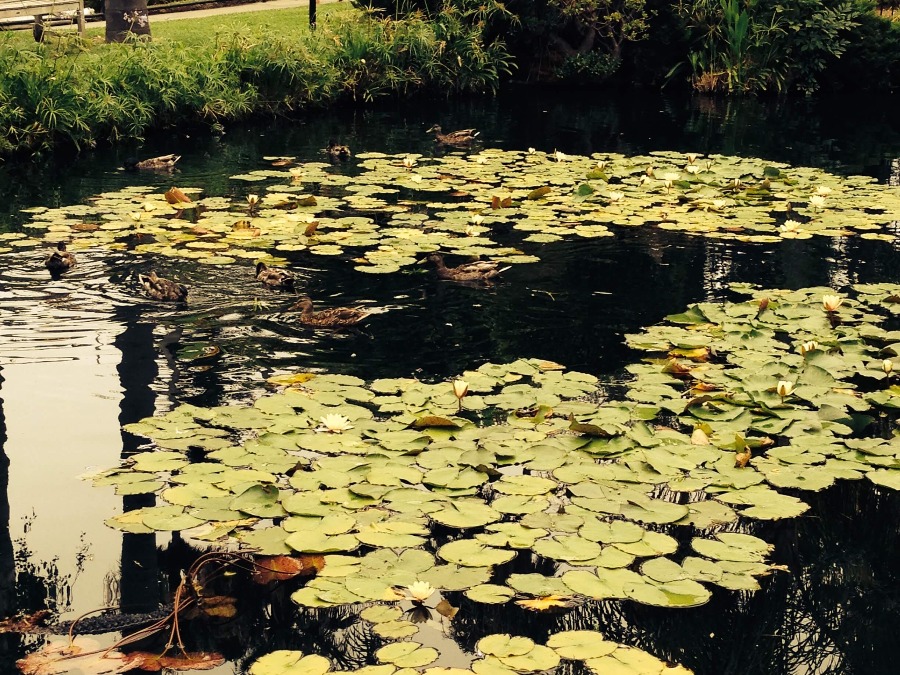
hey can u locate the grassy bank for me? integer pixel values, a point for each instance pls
(82, 92)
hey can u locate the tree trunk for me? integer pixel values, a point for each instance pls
(124, 17)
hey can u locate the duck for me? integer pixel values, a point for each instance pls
(274, 277)
(334, 317)
(163, 289)
(336, 151)
(458, 137)
(164, 162)
(60, 260)
(480, 270)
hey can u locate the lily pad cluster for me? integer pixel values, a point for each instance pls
(499, 654)
(409, 489)
(397, 207)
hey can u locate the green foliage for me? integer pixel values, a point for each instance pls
(613, 22)
(760, 45)
(593, 67)
(72, 92)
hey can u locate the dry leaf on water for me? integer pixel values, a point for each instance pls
(183, 661)
(283, 567)
(83, 656)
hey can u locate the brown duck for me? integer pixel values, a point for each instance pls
(163, 162)
(335, 317)
(60, 260)
(480, 270)
(458, 137)
(163, 289)
(336, 151)
(274, 277)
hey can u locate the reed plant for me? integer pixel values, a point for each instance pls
(79, 93)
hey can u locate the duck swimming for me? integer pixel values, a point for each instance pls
(335, 317)
(336, 151)
(480, 270)
(60, 260)
(274, 277)
(163, 289)
(458, 137)
(164, 162)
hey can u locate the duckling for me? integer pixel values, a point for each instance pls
(335, 151)
(60, 260)
(163, 289)
(163, 162)
(459, 137)
(274, 277)
(335, 317)
(480, 270)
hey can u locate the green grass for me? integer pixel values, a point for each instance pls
(82, 91)
(194, 30)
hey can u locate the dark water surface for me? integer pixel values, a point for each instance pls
(82, 355)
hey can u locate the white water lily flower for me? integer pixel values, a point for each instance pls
(460, 389)
(887, 366)
(470, 230)
(409, 161)
(691, 157)
(136, 215)
(831, 302)
(709, 164)
(559, 156)
(671, 176)
(692, 169)
(616, 196)
(297, 172)
(252, 199)
(148, 206)
(476, 219)
(419, 591)
(817, 201)
(531, 151)
(334, 423)
(602, 164)
(823, 190)
(808, 346)
(784, 388)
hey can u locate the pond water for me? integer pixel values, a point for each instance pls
(82, 355)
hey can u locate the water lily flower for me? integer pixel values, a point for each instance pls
(669, 178)
(720, 203)
(419, 591)
(136, 216)
(481, 159)
(409, 161)
(808, 346)
(736, 184)
(476, 219)
(334, 423)
(616, 196)
(691, 157)
(148, 206)
(602, 164)
(692, 169)
(559, 156)
(416, 178)
(887, 366)
(709, 164)
(784, 388)
(649, 171)
(460, 389)
(817, 201)
(470, 230)
(823, 190)
(831, 302)
(252, 202)
(297, 172)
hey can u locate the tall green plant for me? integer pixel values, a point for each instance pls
(765, 45)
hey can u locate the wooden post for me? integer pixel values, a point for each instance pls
(312, 14)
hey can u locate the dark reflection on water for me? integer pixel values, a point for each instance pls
(831, 612)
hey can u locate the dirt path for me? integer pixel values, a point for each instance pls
(234, 9)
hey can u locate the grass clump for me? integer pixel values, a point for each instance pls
(76, 92)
